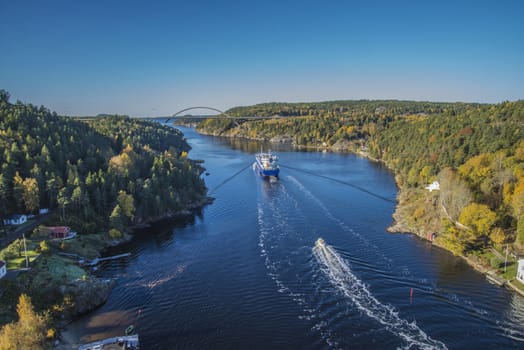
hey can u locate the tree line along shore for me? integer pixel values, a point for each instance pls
(459, 166)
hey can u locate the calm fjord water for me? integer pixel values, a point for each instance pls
(245, 273)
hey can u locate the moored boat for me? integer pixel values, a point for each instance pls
(128, 342)
(267, 164)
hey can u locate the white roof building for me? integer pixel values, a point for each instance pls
(520, 271)
(15, 219)
(3, 268)
(434, 186)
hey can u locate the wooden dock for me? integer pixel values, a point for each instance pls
(98, 260)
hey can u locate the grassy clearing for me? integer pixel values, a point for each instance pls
(54, 270)
(14, 254)
(511, 271)
(54, 282)
(87, 246)
(19, 263)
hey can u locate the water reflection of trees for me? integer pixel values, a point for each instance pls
(160, 232)
(253, 146)
(451, 268)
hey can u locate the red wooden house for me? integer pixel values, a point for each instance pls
(59, 232)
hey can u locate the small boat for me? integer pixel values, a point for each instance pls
(320, 243)
(267, 164)
(130, 329)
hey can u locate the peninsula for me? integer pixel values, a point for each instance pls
(99, 177)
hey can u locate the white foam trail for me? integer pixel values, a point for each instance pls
(340, 275)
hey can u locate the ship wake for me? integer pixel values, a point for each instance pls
(342, 278)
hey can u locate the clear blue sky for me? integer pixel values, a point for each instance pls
(157, 57)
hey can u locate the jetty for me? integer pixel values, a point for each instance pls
(128, 342)
(95, 261)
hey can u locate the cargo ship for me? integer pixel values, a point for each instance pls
(267, 164)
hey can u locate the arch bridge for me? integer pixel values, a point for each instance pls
(200, 117)
(221, 115)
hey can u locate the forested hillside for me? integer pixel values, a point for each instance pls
(103, 173)
(475, 151)
(323, 123)
(345, 108)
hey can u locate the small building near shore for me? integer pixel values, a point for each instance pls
(60, 232)
(520, 271)
(15, 219)
(3, 269)
(434, 186)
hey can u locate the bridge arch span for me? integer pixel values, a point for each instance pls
(201, 107)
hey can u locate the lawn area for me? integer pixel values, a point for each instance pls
(86, 246)
(14, 254)
(54, 270)
(17, 263)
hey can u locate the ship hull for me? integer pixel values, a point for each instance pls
(266, 172)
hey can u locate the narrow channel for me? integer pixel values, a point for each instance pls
(246, 272)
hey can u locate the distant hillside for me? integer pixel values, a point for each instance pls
(475, 151)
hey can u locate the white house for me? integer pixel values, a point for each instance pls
(15, 219)
(434, 186)
(3, 268)
(520, 271)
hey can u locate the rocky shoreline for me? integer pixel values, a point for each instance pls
(91, 292)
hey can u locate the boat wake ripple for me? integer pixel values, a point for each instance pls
(342, 278)
(278, 232)
(403, 273)
(340, 223)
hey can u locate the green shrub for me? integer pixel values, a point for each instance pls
(495, 262)
(44, 247)
(114, 233)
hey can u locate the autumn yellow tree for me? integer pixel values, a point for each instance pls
(28, 333)
(126, 203)
(426, 174)
(18, 190)
(31, 194)
(477, 168)
(479, 218)
(497, 236)
(517, 204)
(519, 152)
(124, 163)
(454, 194)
